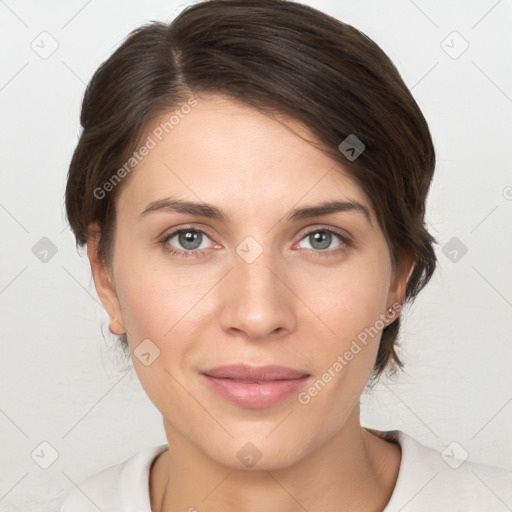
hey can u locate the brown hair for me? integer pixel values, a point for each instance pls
(279, 57)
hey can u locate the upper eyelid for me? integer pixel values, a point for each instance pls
(337, 231)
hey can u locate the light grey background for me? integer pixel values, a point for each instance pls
(61, 381)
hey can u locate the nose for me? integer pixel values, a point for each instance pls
(258, 300)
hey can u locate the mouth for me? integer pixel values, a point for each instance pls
(246, 372)
(255, 387)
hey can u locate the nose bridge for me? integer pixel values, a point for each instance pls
(258, 278)
(257, 301)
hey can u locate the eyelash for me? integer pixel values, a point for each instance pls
(198, 253)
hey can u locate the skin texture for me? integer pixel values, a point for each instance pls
(295, 305)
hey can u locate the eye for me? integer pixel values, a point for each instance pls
(193, 242)
(320, 240)
(187, 242)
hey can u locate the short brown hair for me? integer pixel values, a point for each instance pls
(278, 57)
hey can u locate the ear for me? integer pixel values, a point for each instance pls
(104, 282)
(400, 278)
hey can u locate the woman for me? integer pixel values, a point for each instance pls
(251, 183)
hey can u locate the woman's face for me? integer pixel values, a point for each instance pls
(260, 287)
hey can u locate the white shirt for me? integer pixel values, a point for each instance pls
(427, 482)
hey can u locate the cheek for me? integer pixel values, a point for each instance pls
(350, 305)
(160, 300)
(352, 298)
(350, 302)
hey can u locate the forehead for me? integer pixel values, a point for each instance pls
(225, 152)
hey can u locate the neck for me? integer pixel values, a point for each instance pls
(353, 470)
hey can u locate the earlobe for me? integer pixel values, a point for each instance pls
(116, 327)
(104, 282)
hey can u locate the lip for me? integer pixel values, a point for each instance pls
(255, 387)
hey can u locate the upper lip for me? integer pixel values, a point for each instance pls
(247, 372)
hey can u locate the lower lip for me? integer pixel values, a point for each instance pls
(256, 395)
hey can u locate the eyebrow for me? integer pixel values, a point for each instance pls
(212, 212)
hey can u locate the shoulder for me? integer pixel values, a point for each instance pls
(446, 481)
(123, 486)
